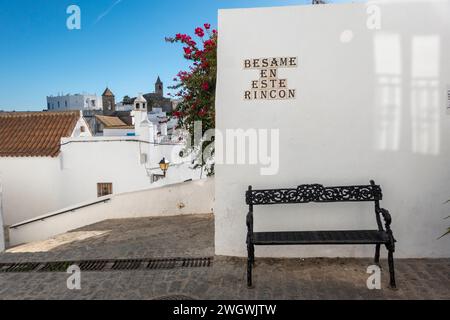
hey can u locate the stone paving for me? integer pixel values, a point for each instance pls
(193, 236)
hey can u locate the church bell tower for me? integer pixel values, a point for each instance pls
(159, 87)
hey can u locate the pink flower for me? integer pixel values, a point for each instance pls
(202, 112)
(205, 86)
(199, 32)
(199, 54)
(207, 26)
(187, 50)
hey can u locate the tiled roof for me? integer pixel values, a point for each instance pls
(111, 122)
(35, 134)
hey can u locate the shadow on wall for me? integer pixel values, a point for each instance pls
(415, 82)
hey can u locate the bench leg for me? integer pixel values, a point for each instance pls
(377, 254)
(391, 269)
(250, 261)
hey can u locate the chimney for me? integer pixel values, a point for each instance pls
(146, 131)
(164, 129)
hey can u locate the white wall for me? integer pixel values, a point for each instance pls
(36, 186)
(31, 187)
(116, 132)
(2, 235)
(371, 104)
(195, 197)
(116, 160)
(74, 102)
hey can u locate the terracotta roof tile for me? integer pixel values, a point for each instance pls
(35, 134)
(111, 122)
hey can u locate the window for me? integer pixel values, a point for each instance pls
(58, 105)
(93, 103)
(65, 103)
(104, 189)
(138, 105)
(82, 129)
(48, 105)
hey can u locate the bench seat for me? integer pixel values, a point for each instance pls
(379, 236)
(321, 237)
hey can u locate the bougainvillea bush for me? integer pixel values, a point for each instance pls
(196, 87)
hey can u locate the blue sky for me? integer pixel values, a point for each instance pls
(120, 45)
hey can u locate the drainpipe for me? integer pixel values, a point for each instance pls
(2, 234)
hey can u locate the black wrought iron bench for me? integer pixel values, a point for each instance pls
(321, 194)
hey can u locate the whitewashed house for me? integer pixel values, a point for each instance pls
(50, 160)
(74, 102)
(30, 160)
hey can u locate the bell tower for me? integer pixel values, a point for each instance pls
(109, 101)
(159, 87)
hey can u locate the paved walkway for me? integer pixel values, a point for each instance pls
(193, 236)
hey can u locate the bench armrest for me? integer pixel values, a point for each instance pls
(249, 227)
(387, 222)
(387, 217)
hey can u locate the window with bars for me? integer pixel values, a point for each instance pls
(104, 189)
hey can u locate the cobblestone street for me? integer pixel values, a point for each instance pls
(193, 236)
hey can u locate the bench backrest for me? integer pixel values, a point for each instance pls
(315, 193)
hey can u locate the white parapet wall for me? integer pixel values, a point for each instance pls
(371, 83)
(195, 197)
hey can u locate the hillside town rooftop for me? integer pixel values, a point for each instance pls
(35, 134)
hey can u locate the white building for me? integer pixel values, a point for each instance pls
(371, 102)
(54, 168)
(30, 160)
(74, 102)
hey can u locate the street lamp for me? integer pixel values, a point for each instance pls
(164, 165)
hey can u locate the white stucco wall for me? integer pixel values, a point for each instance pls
(31, 187)
(110, 132)
(36, 186)
(2, 235)
(194, 197)
(114, 160)
(371, 104)
(75, 102)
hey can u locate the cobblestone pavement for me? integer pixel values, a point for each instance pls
(180, 236)
(192, 236)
